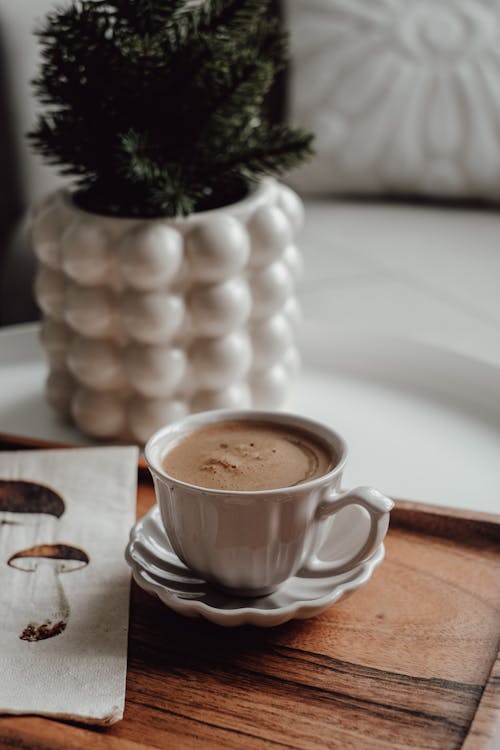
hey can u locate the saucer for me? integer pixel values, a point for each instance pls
(157, 569)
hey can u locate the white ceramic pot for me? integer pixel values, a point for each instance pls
(147, 320)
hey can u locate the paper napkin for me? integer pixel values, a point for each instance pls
(65, 517)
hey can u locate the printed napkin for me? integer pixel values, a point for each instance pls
(65, 517)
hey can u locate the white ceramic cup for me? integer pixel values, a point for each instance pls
(249, 542)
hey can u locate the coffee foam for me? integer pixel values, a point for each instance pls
(247, 455)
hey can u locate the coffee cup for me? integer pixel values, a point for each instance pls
(249, 541)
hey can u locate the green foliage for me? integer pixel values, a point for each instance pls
(157, 107)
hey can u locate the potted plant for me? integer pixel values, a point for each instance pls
(166, 276)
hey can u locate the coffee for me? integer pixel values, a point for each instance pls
(248, 455)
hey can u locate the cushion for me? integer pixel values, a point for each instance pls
(403, 95)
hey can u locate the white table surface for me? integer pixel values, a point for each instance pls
(401, 349)
(428, 276)
(424, 273)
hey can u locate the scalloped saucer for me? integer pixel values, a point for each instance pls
(158, 570)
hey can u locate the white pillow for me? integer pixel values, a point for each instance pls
(403, 95)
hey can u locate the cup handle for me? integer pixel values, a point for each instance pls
(378, 506)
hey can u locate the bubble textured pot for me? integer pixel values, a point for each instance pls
(145, 321)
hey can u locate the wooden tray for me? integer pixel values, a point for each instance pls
(409, 661)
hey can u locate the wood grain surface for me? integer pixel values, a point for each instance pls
(408, 661)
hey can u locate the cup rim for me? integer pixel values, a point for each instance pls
(283, 418)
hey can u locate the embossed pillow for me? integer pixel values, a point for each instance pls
(403, 95)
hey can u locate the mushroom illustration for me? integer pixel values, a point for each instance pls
(50, 605)
(27, 503)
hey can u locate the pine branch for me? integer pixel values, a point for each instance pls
(229, 15)
(139, 167)
(281, 149)
(237, 115)
(156, 107)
